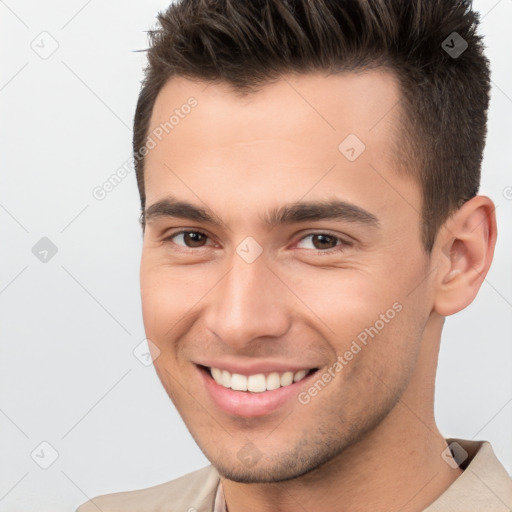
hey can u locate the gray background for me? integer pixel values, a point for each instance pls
(68, 374)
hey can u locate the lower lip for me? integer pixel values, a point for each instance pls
(247, 404)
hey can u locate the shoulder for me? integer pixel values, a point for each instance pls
(192, 492)
(484, 484)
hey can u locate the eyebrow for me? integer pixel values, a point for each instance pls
(287, 214)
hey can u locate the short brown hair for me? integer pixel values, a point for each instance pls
(247, 43)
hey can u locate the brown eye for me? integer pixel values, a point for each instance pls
(189, 238)
(321, 242)
(324, 241)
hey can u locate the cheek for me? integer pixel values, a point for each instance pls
(367, 319)
(345, 301)
(166, 295)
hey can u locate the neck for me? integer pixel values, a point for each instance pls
(396, 467)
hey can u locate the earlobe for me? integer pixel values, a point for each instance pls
(464, 250)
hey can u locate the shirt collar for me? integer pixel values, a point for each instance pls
(483, 484)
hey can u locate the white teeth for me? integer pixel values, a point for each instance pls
(299, 375)
(217, 375)
(256, 383)
(286, 378)
(238, 382)
(273, 381)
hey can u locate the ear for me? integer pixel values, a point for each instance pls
(463, 251)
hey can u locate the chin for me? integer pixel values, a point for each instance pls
(278, 469)
(260, 476)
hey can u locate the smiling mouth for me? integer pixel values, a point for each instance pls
(257, 383)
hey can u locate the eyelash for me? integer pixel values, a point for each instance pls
(337, 248)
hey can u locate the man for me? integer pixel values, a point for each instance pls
(308, 173)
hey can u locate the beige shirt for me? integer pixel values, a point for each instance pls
(484, 486)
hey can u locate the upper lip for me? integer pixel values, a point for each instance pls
(255, 367)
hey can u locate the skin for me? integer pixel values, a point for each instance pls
(368, 438)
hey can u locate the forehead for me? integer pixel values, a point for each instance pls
(295, 105)
(286, 137)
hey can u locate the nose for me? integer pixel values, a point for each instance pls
(249, 302)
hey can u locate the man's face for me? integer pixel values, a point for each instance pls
(266, 296)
